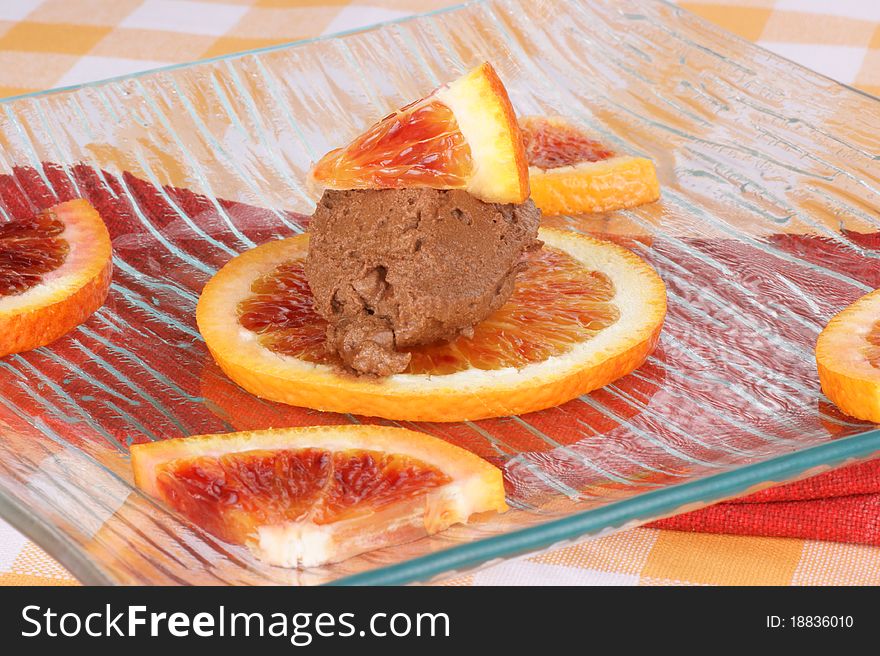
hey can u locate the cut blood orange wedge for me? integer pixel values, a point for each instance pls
(462, 136)
(571, 173)
(584, 313)
(54, 273)
(309, 496)
(848, 357)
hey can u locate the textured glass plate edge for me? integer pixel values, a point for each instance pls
(243, 53)
(68, 553)
(632, 512)
(629, 512)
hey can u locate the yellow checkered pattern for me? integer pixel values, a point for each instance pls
(50, 43)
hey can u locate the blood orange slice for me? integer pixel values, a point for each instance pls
(570, 173)
(462, 136)
(848, 357)
(308, 496)
(54, 273)
(584, 313)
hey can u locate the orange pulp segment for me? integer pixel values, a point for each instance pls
(873, 352)
(420, 146)
(307, 496)
(29, 249)
(551, 144)
(54, 273)
(556, 304)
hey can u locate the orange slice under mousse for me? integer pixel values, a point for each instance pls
(584, 313)
(309, 496)
(463, 136)
(571, 173)
(54, 273)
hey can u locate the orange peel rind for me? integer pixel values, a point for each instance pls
(66, 296)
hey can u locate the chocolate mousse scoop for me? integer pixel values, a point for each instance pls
(391, 269)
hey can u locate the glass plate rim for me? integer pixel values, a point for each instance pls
(628, 512)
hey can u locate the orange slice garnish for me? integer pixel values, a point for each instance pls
(571, 173)
(54, 273)
(848, 357)
(462, 136)
(309, 496)
(584, 313)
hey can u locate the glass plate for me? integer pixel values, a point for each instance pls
(767, 226)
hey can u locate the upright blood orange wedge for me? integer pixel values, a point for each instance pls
(308, 496)
(462, 136)
(570, 173)
(848, 357)
(54, 273)
(584, 313)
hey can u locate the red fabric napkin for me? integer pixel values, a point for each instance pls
(841, 505)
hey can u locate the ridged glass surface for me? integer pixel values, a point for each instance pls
(768, 225)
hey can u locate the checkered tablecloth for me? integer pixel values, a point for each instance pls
(51, 43)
